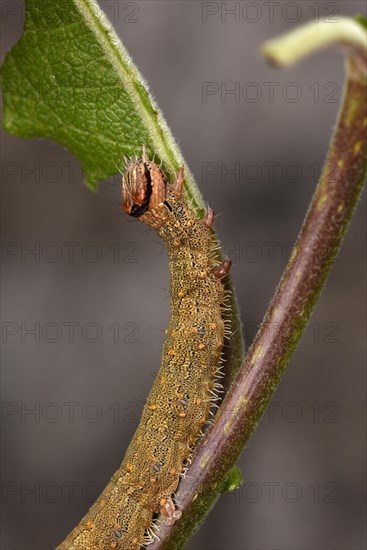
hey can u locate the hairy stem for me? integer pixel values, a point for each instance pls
(325, 225)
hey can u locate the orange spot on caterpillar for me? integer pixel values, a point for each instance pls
(152, 407)
(182, 414)
(176, 243)
(162, 381)
(113, 545)
(173, 332)
(201, 346)
(198, 401)
(171, 352)
(153, 480)
(178, 395)
(172, 471)
(180, 294)
(213, 326)
(129, 467)
(162, 502)
(90, 525)
(203, 274)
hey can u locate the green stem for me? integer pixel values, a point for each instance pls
(295, 45)
(323, 230)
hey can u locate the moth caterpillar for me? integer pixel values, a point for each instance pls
(180, 400)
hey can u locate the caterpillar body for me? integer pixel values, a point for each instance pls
(181, 398)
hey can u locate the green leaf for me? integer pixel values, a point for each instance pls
(70, 79)
(232, 481)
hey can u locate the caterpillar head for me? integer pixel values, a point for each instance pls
(144, 186)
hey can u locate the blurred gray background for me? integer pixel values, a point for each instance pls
(95, 289)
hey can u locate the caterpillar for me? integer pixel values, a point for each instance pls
(182, 396)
